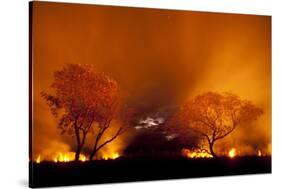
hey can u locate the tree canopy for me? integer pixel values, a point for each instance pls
(213, 116)
(81, 96)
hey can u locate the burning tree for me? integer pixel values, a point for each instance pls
(82, 96)
(213, 116)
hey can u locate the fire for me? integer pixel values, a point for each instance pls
(82, 158)
(61, 157)
(232, 153)
(259, 153)
(196, 154)
(114, 155)
(38, 159)
(69, 156)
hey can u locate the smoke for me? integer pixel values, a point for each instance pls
(159, 58)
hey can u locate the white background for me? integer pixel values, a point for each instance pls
(14, 92)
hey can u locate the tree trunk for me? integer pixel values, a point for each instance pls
(79, 147)
(93, 154)
(94, 151)
(97, 148)
(78, 150)
(77, 153)
(211, 145)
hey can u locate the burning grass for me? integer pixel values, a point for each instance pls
(195, 153)
(112, 156)
(64, 157)
(61, 157)
(231, 153)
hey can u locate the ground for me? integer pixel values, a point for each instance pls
(142, 169)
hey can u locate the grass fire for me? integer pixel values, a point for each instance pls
(97, 128)
(131, 94)
(114, 155)
(232, 153)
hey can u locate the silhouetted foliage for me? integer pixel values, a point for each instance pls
(82, 96)
(213, 116)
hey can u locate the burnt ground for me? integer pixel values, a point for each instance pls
(142, 169)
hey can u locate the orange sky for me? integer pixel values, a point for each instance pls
(159, 57)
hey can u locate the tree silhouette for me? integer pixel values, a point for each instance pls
(118, 111)
(82, 96)
(213, 116)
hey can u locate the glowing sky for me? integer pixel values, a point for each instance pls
(159, 57)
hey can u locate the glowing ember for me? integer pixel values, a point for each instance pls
(38, 159)
(196, 154)
(232, 153)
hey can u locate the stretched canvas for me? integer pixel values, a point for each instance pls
(121, 94)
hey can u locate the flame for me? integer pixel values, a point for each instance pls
(69, 156)
(196, 154)
(61, 157)
(232, 153)
(38, 159)
(82, 158)
(113, 155)
(259, 153)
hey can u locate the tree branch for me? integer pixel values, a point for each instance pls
(108, 141)
(227, 133)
